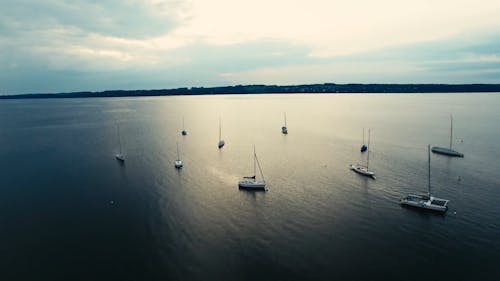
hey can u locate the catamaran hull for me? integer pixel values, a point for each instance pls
(446, 151)
(424, 206)
(252, 185)
(431, 204)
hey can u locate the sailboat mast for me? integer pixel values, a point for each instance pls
(178, 158)
(258, 165)
(219, 129)
(429, 169)
(363, 136)
(284, 114)
(183, 123)
(368, 156)
(254, 162)
(451, 130)
(119, 138)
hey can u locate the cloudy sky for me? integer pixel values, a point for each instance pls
(76, 45)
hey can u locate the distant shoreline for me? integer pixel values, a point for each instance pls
(326, 88)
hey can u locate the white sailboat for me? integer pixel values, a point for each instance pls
(361, 169)
(284, 129)
(426, 201)
(119, 156)
(251, 182)
(183, 132)
(178, 162)
(221, 141)
(448, 151)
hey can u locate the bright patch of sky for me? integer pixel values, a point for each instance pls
(63, 45)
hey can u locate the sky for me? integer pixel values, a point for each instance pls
(74, 45)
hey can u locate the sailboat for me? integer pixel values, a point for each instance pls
(426, 201)
(119, 156)
(221, 141)
(184, 132)
(448, 151)
(178, 162)
(284, 129)
(251, 182)
(364, 170)
(363, 145)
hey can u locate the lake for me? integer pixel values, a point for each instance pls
(70, 211)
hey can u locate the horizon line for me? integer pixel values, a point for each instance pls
(314, 88)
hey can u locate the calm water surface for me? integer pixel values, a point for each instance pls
(70, 211)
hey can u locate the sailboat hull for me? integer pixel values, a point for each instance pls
(178, 164)
(253, 185)
(362, 170)
(446, 151)
(221, 144)
(120, 157)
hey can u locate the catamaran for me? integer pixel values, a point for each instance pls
(251, 182)
(183, 132)
(221, 141)
(361, 169)
(448, 151)
(178, 161)
(284, 129)
(426, 201)
(363, 145)
(119, 156)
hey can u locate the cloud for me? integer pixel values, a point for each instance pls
(468, 58)
(194, 65)
(68, 45)
(337, 27)
(55, 46)
(117, 18)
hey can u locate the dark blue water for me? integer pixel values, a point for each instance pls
(70, 211)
